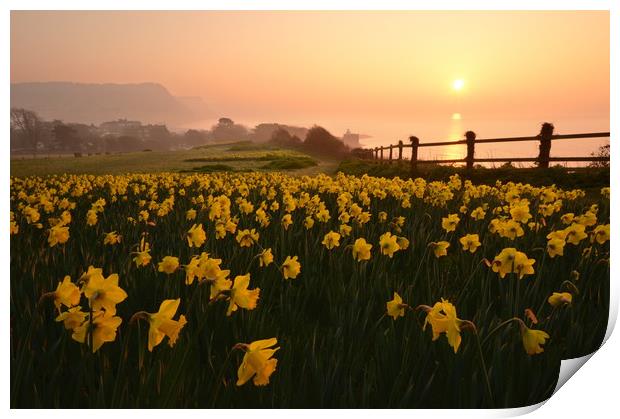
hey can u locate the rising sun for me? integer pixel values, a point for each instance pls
(458, 84)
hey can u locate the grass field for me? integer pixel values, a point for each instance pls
(268, 290)
(237, 156)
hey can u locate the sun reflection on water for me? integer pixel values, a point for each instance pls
(455, 132)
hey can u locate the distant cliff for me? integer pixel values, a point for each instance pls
(96, 103)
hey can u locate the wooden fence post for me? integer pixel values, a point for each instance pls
(391, 147)
(546, 132)
(376, 153)
(381, 153)
(415, 142)
(400, 150)
(470, 137)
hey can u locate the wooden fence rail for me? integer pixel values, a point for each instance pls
(545, 138)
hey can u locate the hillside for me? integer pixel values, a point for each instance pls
(96, 103)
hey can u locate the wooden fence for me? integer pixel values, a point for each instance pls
(545, 138)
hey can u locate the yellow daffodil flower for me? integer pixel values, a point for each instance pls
(443, 319)
(247, 238)
(470, 242)
(575, 233)
(67, 294)
(162, 325)
(287, 220)
(439, 248)
(478, 214)
(72, 318)
(361, 250)
(345, 230)
(601, 234)
(308, 223)
(104, 293)
(58, 235)
(196, 236)
(533, 340)
(388, 244)
(169, 264)
(560, 298)
(91, 217)
(265, 258)
(241, 296)
(450, 222)
(402, 242)
(111, 238)
(257, 362)
(104, 329)
(396, 307)
(190, 215)
(291, 267)
(511, 260)
(331, 240)
(567, 218)
(555, 247)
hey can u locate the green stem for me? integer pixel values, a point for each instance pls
(499, 326)
(90, 356)
(90, 329)
(483, 365)
(192, 341)
(458, 299)
(570, 285)
(121, 364)
(220, 378)
(251, 261)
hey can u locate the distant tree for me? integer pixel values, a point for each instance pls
(193, 137)
(321, 141)
(282, 138)
(225, 122)
(14, 137)
(111, 144)
(65, 137)
(263, 132)
(123, 144)
(89, 137)
(157, 137)
(27, 127)
(226, 129)
(129, 143)
(603, 151)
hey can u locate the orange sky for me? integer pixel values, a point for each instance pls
(340, 68)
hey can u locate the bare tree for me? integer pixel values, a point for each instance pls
(28, 126)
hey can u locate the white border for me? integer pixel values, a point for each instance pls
(592, 393)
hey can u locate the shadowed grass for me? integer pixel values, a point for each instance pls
(583, 178)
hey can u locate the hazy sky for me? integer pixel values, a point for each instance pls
(387, 73)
